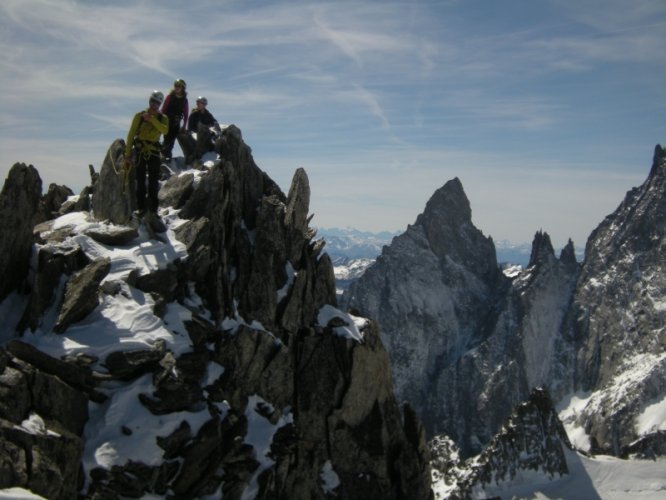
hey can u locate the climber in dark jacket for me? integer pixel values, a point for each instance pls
(203, 131)
(176, 108)
(201, 115)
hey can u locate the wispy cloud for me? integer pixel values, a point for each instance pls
(394, 97)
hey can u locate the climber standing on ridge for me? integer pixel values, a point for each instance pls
(143, 136)
(199, 125)
(201, 115)
(175, 107)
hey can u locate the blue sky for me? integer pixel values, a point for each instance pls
(547, 111)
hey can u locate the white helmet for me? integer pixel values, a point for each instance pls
(157, 96)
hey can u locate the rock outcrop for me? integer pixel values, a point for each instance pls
(465, 341)
(465, 351)
(276, 392)
(531, 439)
(19, 205)
(618, 316)
(41, 424)
(114, 198)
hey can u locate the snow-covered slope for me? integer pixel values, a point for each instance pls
(467, 345)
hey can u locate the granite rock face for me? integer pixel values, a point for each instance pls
(19, 206)
(268, 349)
(41, 424)
(618, 316)
(468, 343)
(532, 438)
(464, 339)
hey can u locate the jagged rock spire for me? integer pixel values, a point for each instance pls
(531, 439)
(447, 224)
(542, 249)
(269, 350)
(568, 254)
(19, 206)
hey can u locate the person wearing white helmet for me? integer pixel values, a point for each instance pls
(176, 108)
(143, 137)
(201, 115)
(203, 128)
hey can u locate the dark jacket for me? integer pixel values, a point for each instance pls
(203, 117)
(176, 107)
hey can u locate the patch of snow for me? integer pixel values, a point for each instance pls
(512, 271)
(291, 275)
(107, 443)
(19, 494)
(34, 424)
(260, 432)
(569, 410)
(120, 323)
(213, 374)
(329, 478)
(353, 325)
(600, 477)
(652, 419)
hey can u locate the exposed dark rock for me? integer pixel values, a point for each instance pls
(45, 233)
(288, 397)
(542, 249)
(194, 149)
(41, 419)
(44, 463)
(174, 444)
(127, 365)
(81, 294)
(80, 204)
(52, 201)
(568, 255)
(114, 198)
(112, 235)
(73, 374)
(648, 447)
(532, 438)
(177, 385)
(616, 315)
(466, 343)
(201, 332)
(175, 192)
(53, 264)
(217, 444)
(164, 282)
(434, 292)
(254, 363)
(19, 205)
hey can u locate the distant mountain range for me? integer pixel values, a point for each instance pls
(349, 244)
(353, 251)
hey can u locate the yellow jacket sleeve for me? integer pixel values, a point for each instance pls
(161, 125)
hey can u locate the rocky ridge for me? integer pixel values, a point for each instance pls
(464, 339)
(468, 343)
(225, 333)
(532, 438)
(618, 318)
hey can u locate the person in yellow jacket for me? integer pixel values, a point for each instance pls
(144, 136)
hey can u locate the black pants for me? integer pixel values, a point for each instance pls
(151, 166)
(170, 137)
